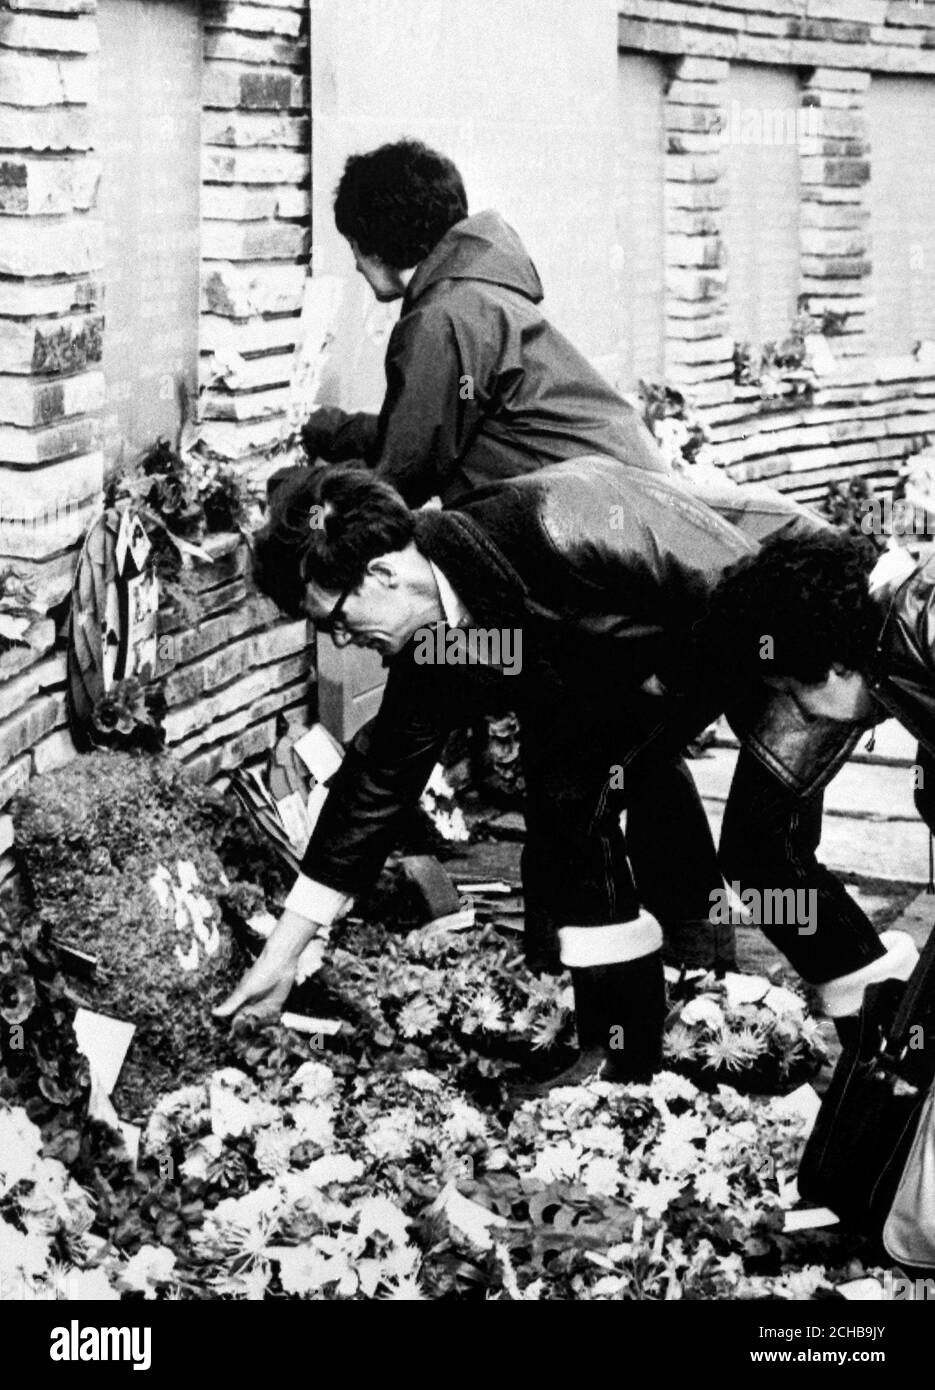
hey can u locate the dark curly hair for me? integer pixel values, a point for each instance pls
(325, 524)
(398, 201)
(809, 596)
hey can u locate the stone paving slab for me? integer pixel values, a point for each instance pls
(918, 918)
(896, 851)
(872, 791)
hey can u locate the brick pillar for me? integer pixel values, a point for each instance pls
(834, 171)
(255, 209)
(51, 385)
(699, 349)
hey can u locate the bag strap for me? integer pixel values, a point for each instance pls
(920, 985)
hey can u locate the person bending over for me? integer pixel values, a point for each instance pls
(579, 585)
(822, 644)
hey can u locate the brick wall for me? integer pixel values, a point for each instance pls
(868, 413)
(255, 210)
(377, 77)
(233, 671)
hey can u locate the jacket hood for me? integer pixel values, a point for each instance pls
(482, 247)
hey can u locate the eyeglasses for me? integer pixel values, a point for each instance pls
(336, 617)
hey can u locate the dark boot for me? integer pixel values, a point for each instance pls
(700, 945)
(847, 1031)
(620, 1011)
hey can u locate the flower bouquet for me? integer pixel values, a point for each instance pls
(744, 1030)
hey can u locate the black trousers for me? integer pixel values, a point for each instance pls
(578, 867)
(769, 840)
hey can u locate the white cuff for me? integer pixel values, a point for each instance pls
(845, 995)
(316, 902)
(608, 945)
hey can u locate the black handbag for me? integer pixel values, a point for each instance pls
(855, 1156)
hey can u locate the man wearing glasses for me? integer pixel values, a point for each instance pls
(603, 570)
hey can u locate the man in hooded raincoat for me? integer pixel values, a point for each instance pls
(479, 385)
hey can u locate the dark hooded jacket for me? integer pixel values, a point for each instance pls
(603, 569)
(479, 385)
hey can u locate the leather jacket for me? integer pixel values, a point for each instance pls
(603, 568)
(805, 751)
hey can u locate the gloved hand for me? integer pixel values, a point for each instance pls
(318, 432)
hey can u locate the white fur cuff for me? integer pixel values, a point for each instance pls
(845, 995)
(608, 945)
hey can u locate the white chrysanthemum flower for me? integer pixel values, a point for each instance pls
(392, 1135)
(498, 1160)
(668, 1085)
(233, 1115)
(401, 1260)
(248, 1284)
(197, 1162)
(676, 1156)
(313, 1081)
(418, 1017)
(547, 1029)
(744, 989)
(305, 1270)
(20, 1147)
(55, 1200)
(703, 1010)
(744, 1132)
(682, 1129)
(188, 875)
(653, 1198)
(485, 1012)
(313, 1124)
(801, 1284)
(679, 1044)
(712, 1185)
(151, 1265)
(421, 1080)
(608, 1286)
(333, 1168)
(600, 1137)
(557, 1161)
(22, 1255)
(784, 1004)
(252, 1211)
(185, 1103)
(89, 1286)
(379, 1214)
(234, 1079)
(464, 1122)
(601, 1177)
(720, 1147)
(272, 1148)
(404, 1291)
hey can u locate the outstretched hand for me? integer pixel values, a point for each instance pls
(261, 992)
(265, 987)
